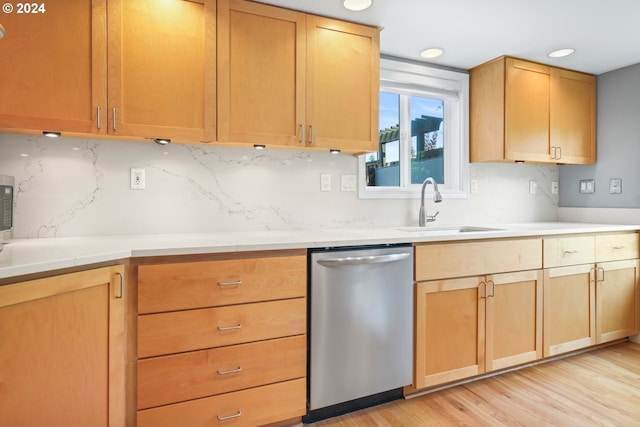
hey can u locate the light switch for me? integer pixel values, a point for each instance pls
(615, 186)
(325, 182)
(587, 186)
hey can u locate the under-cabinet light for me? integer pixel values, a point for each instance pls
(161, 141)
(259, 146)
(51, 134)
(334, 151)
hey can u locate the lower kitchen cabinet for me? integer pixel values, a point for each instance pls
(62, 350)
(470, 325)
(222, 341)
(594, 302)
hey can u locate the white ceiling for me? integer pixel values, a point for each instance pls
(604, 33)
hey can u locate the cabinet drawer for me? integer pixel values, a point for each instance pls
(561, 251)
(613, 247)
(179, 331)
(250, 408)
(440, 261)
(186, 376)
(170, 287)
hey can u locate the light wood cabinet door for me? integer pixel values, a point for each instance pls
(573, 117)
(527, 111)
(450, 320)
(53, 68)
(343, 84)
(62, 350)
(261, 74)
(291, 79)
(162, 65)
(513, 318)
(617, 300)
(569, 308)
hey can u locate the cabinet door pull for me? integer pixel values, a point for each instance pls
(113, 118)
(236, 415)
(312, 134)
(301, 133)
(484, 289)
(593, 275)
(601, 270)
(571, 252)
(493, 289)
(99, 113)
(558, 156)
(229, 328)
(235, 283)
(617, 248)
(233, 371)
(120, 292)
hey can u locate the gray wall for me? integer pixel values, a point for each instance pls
(618, 142)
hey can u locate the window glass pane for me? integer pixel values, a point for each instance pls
(383, 167)
(427, 139)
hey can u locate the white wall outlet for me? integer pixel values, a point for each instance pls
(325, 182)
(138, 181)
(554, 187)
(474, 186)
(533, 187)
(587, 186)
(347, 183)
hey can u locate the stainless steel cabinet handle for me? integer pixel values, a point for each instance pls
(593, 275)
(374, 259)
(301, 133)
(233, 371)
(99, 113)
(120, 292)
(493, 289)
(236, 283)
(113, 118)
(229, 328)
(617, 248)
(601, 270)
(484, 289)
(559, 156)
(312, 133)
(571, 252)
(236, 415)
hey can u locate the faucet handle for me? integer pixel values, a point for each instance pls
(432, 218)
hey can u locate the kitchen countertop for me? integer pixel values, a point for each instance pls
(34, 256)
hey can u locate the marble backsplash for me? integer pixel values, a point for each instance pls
(80, 187)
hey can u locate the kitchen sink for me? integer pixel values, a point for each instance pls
(449, 230)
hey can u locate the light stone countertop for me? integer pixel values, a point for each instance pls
(35, 256)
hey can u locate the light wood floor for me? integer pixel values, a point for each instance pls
(598, 388)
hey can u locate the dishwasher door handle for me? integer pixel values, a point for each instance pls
(374, 259)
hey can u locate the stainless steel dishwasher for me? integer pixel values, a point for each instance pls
(361, 327)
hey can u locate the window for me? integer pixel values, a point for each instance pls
(423, 132)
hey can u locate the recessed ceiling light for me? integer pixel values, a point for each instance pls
(431, 53)
(561, 53)
(357, 5)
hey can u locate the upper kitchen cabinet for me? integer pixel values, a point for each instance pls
(286, 78)
(528, 112)
(162, 65)
(52, 73)
(135, 68)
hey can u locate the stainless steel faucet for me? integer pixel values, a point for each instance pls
(437, 198)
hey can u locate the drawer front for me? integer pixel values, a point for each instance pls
(449, 260)
(247, 408)
(186, 376)
(613, 247)
(170, 287)
(562, 251)
(179, 331)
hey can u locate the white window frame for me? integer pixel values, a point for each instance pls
(424, 80)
